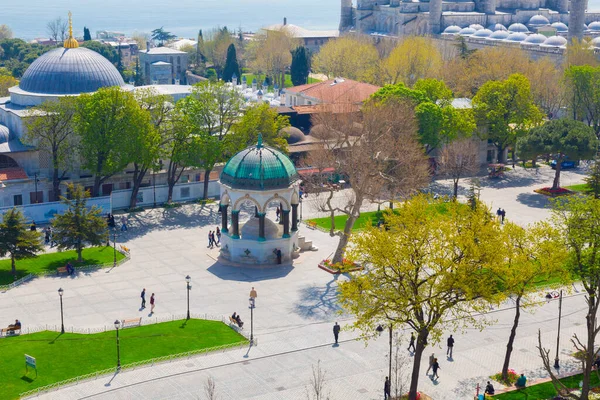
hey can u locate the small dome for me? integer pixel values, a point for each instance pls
(536, 38)
(259, 168)
(560, 27)
(476, 26)
(555, 41)
(250, 230)
(4, 134)
(538, 20)
(497, 27)
(482, 33)
(596, 42)
(295, 135)
(518, 28)
(516, 37)
(466, 31)
(499, 35)
(452, 29)
(594, 26)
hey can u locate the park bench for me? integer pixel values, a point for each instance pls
(61, 270)
(312, 224)
(9, 331)
(234, 322)
(131, 323)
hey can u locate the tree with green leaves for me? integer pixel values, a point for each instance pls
(138, 77)
(105, 50)
(563, 139)
(421, 273)
(49, 128)
(463, 49)
(79, 225)
(107, 124)
(504, 111)
(231, 65)
(87, 36)
(300, 68)
(16, 239)
(161, 36)
(5, 32)
(593, 179)
(583, 83)
(261, 119)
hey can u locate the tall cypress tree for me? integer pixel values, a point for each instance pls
(231, 65)
(86, 34)
(300, 68)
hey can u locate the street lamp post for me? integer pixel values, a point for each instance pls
(556, 365)
(114, 249)
(62, 321)
(117, 326)
(189, 287)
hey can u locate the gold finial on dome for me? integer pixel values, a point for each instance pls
(71, 43)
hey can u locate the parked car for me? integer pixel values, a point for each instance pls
(566, 164)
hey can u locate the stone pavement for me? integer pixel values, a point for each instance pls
(296, 308)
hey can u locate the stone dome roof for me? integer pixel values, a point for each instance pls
(483, 33)
(497, 27)
(536, 38)
(452, 29)
(259, 168)
(476, 26)
(538, 20)
(516, 37)
(70, 71)
(466, 31)
(518, 28)
(4, 134)
(295, 135)
(499, 35)
(560, 27)
(555, 41)
(594, 26)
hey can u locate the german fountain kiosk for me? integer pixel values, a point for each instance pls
(256, 179)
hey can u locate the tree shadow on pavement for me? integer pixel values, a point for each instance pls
(318, 302)
(534, 200)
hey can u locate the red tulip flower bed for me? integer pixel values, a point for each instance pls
(548, 191)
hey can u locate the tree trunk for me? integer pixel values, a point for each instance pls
(500, 150)
(13, 266)
(341, 248)
(138, 176)
(419, 349)
(170, 195)
(96, 188)
(511, 338)
(556, 183)
(55, 184)
(455, 180)
(390, 366)
(206, 182)
(591, 330)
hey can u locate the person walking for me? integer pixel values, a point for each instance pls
(253, 296)
(218, 236)
(336, 332)
(210, 245)
(123, 223)
(387, 389)
(412, 342)
(214, 241)
(431, 358)
(503, 215)
(435, 367)
(450, 343)
(143, 296)
(152, 304)
(499, 214)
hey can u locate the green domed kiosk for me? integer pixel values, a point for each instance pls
(259, 176)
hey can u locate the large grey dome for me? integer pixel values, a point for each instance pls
(70, 71)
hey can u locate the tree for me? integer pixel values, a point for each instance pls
(530, 254)
(562, 138)
(593, 179)
(348, 57)
(214, 48)
(79, 225)
(375, 151)
(138, 77)
(547, 86)
(457, 159)
(583, 84)
(6, 82)
(421, 273)
(414, 58)
(300, 68)
(270, 53)
(57, 30)
(463, 49)
(5, 32)
(16, 239)
(106, 50)
(504, 110)
(49, 128)
(231, 65)
(161, 36)
(264, 120)
(107, 123)
(579, 52)
(578, 219)
(87, 36)
(317, 388)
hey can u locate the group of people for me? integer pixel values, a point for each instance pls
(152, 301)
(237, 319)
(110, 220)
(48, 236)
(501, 214)
(214, 238)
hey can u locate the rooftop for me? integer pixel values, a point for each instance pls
(336, 91)
(298, 32)
(162, 50)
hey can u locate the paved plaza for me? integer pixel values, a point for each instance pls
(296, 308)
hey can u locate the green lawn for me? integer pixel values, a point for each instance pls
(261, 78)
(52, 261)
(61, 357)
(582, 188)
(544, 390)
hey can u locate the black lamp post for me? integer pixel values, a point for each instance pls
(114, 249)
(117, 326)
(62, 321)
(189, 287)
(252, 305)
(556, 365)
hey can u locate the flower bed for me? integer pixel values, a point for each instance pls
(512, 378)
(548, 191)
(339, 268)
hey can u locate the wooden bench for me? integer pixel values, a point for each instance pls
(234, 322)
(131, 323)
(61, 270)
(312, 224)
(9, 331)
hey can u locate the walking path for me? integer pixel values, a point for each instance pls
(296, 308)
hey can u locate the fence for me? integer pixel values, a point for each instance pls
(132, 366)
(42, 213)
(182, 192)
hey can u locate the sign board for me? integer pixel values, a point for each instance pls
(30, 361)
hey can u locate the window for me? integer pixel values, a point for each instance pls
(107, 189)
(185, 192)
(36, 197)
(185, 178)
(178, 59)
(18, 200)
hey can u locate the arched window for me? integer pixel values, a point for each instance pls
(7, 162)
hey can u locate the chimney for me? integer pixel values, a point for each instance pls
(284, 21)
